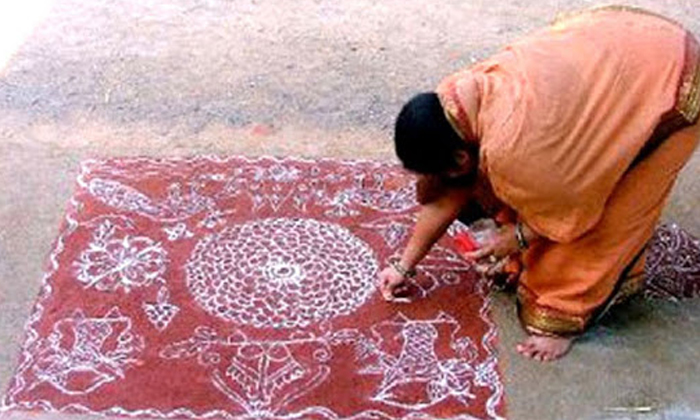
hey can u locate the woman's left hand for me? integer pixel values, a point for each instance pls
(501, 245)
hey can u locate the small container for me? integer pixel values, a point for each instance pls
(477, 235)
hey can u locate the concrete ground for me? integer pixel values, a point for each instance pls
(308, 78)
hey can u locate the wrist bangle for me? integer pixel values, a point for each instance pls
(520, 237)
(399, 269)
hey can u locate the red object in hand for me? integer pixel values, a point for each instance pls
(465, 242)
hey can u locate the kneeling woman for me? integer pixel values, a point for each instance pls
(574, 137)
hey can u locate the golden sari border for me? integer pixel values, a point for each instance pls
(688, 102)
(545, 320)
(687, 108)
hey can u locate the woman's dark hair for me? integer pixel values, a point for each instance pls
(424, 139)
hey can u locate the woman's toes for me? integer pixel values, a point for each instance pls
(525, 348)
(525, 345)
(544, 349)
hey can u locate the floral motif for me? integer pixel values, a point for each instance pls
(111, 263)
(281, 272)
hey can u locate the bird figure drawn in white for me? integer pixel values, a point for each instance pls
(179, 203)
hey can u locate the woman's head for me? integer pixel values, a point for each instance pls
(426, 143)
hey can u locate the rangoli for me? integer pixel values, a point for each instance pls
(244, 288)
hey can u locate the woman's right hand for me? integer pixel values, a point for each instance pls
(391, 283)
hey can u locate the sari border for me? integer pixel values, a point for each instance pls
(688, 100)
(546, 320)
(686, 110)
(455, 114)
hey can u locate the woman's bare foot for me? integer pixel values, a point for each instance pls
(544, 348)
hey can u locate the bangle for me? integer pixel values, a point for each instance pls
(520, 237)
(399, 269)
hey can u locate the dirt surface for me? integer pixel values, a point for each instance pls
(304, 78)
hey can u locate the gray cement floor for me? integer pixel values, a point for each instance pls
(308, 78)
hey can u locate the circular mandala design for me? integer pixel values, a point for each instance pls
(281, 272)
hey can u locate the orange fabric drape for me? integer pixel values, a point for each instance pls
(564, 116)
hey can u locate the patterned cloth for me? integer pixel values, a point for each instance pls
(244, 288)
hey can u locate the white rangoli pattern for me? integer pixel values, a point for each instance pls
(253, 182)
(281, 272)
(176, 206)
(394, 230)
(388, 201)
(161, 313)
(259, 376)
(416, 378)
(273, 252)
(278, 173)
(82, 354)
(177, 232)
(122, 197)
(370, 194)
(441, 267)
(111, 263)
(262, 376)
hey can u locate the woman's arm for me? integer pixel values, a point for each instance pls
(433, 220)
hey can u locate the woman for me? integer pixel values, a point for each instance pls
(574, 137)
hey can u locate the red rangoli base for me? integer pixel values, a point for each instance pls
(244, 288)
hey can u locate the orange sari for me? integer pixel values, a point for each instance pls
(583, 128)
